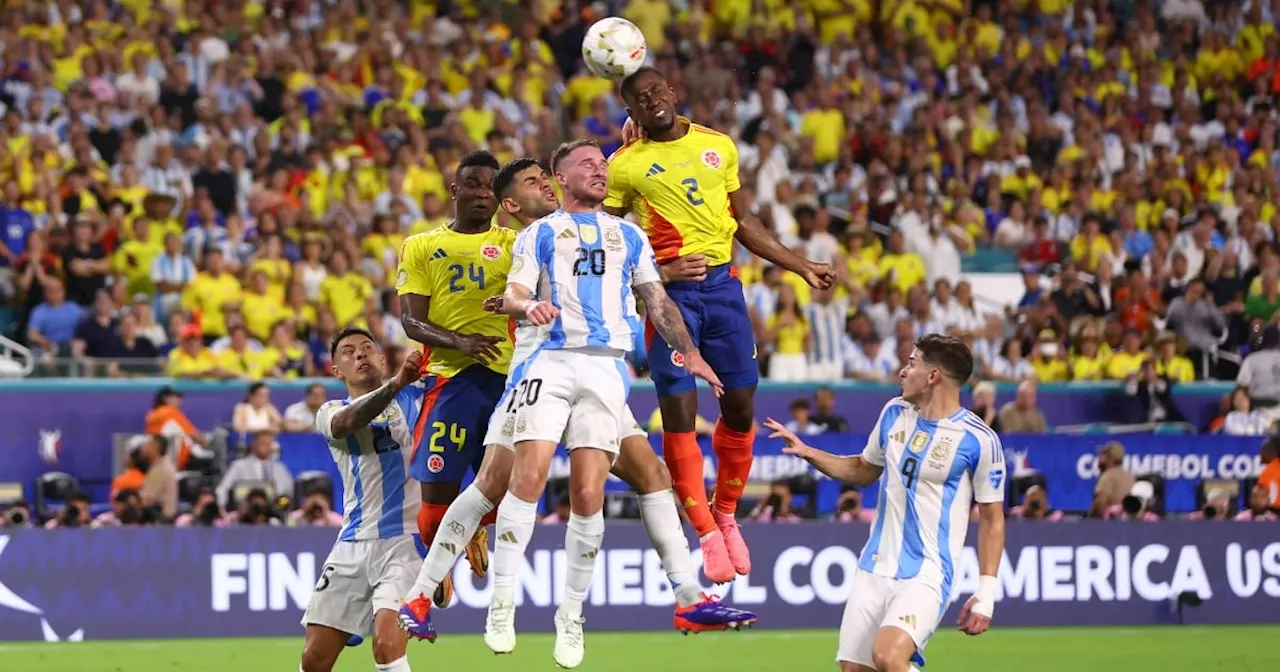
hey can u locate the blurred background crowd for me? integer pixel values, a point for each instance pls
(212, 189)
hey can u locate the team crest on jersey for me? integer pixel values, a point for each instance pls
(491, 252)
(941, 448)
(509, 426)
(588, 235)
(435, 464)
(516, 265)
(996, 477)
(677, 358)
(401, 278)
(711, 158)
(520, 424)
(918, 441)
(613, 238)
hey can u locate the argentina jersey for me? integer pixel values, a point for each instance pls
(585, 264)
(374, 464)
(933, 473)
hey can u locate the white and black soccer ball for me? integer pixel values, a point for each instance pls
(614, 48)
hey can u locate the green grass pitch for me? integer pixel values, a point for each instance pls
(1162, 649)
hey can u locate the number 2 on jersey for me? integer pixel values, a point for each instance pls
(457, 436)
(474, 272)
(525, 394)
(910, 470)
(589, 262)
(691, 191)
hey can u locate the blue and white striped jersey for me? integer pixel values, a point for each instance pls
(377, 501)
(585, 264)
(933, 473)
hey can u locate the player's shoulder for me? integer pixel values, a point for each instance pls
(896, 405)
(713, 137)
(417, 242)
(626, 153)
(977, 429)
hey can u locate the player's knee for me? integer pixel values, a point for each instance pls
(586, 498)
(386, 650)
(736, 409)
(890, 658)
(650, 476)
(315, 660)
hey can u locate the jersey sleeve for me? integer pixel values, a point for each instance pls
(644, 264)
(526, 257)
(410, 402)
(620, 192)
(873, 453)
(324, 418)
(413, 277)
(988, 469)
(732, 182)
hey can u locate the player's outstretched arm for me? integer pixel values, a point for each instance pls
(761, 242)
(415, 311)
(669, 323)
(975, 617)
(360, 412)
(844, 468)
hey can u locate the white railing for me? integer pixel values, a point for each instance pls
(16, 360)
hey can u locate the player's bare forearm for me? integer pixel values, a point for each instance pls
(516, 301)
(990, 537)
(363, 410)
(414, 312)
(761, 242)
(665, 317)
(850, 469)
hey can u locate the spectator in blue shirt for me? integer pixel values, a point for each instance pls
(15, 225)
(53, 323)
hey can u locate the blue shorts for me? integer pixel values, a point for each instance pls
(449, 436)
(715, 312)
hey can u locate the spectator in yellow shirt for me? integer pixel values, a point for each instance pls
(210, 292)
(1128, 360)
(904, 269)
(344, 293)
(1088, 362)
(240, 360)
(191, 359)
(1090, 247)
(260, 307)
(1169, 363)
(1048, 363)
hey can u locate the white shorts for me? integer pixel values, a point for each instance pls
(571, 397)
(503, 423)
(877, 602)
(359, 579)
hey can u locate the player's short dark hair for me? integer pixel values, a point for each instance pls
(949, 354)
(478, 159)
(344, 335)
(507, 176)
(628, 84)
(567, 148)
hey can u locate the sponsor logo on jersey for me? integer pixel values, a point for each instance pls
(491, 252)
(711, 158)
(435, 464)
(677, 358)
(996, 477)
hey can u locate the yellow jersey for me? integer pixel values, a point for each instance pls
(346, 296)
(199, 364)
(680, 191)
(209, 296)
(1122, 364)
(261, 312)
(255, 365)
(1178, 369)
(457, 272)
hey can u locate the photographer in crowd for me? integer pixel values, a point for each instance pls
(849, 507)
(1035, 506)
(17, 516)
(74, 514)
(261, 465)
(316, 510)
(126, 510)
(1259, 506)
(257, 509)
(205, 512)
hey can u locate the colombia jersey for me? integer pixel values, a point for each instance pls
(458, 271)
(680, 191)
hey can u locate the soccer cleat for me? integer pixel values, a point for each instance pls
(570, 648)
(478, 553)
(917, 659)
(710, 615)
(500, 627)
(733, 542)
(355, 640)
(415, 619)
(715, 558)
(444, 592)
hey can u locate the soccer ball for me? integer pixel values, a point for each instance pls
(613, 48)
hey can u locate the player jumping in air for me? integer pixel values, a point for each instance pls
(572, 277)
(933, 459)
(375, 558)
(524, 190)
(681, 179)
(444, 277)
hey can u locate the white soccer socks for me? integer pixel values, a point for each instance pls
(661, 521)
(460, 522)
(516, 519)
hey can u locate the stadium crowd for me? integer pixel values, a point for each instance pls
(213, 189)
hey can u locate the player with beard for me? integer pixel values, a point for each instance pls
(681, 180)
(524, 191)
(444, 277)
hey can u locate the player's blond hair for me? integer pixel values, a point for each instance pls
(567, 148)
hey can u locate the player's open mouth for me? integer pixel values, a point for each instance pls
(361, 368)
(598, 184)
(660, 114)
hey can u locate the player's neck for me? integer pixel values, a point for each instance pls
(357, 390)
(942, 404)
(463, 226)
(678, 130)
(574, 205)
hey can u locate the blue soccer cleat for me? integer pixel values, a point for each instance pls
(917, 659)
(355, 640)
(710, 614)
(415, 619)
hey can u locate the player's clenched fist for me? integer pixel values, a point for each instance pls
(408, 373)
(493, 304)
(541, 313)
(819, 276)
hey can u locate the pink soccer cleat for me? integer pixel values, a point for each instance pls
(739, 556)
(715, 558)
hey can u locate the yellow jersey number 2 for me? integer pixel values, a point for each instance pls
(457, 435)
